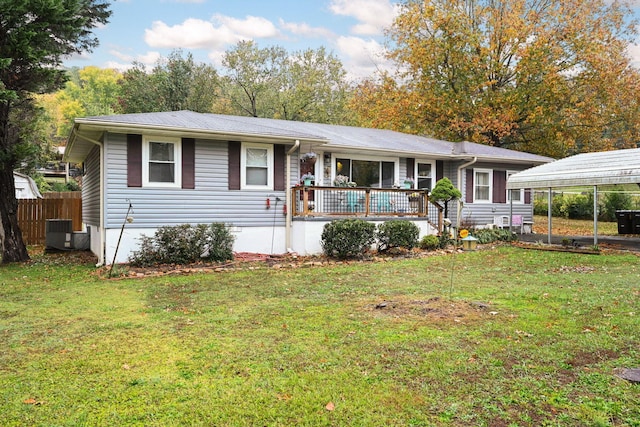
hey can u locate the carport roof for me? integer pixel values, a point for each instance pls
(588, 169)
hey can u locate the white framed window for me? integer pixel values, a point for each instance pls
(161, 161)
(424, 174)
(367, 171)
(256, 166)
(516, 195)
(482, 179)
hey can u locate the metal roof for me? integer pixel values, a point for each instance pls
(88, 131)
(601, 168)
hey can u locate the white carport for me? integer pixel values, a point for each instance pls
(588, 169)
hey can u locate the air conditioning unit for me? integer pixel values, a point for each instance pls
(58, 234)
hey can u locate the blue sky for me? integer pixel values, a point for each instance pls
(145, 30)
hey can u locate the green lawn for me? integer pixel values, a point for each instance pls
(500, 337)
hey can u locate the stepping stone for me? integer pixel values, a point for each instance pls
(632, 375)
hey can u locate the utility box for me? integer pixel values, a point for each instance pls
(58, 234)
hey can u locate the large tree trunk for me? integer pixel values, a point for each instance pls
(13, 247)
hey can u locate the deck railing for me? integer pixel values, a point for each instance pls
(365, 202)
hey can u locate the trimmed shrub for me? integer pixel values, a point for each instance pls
(397, 234)
(613, 202)
(430, 242)
(488, 235)
(218, 242)
(347, 238)
(541, 205)
(577, 206)
(184, 244)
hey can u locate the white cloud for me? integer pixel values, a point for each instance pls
(633, 50)
(362, 58)
(305, 30)
(216, 34)
(122, 67)
(373, 15)
(251, 26)
(148, 59)
(216, 56)
(121, 56)
(191, 34)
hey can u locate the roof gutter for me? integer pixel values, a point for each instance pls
(129, 128)
(287, 228)
(74, 135)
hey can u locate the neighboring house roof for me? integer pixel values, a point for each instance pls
(87, 131)
(587, 169)
(26, 187)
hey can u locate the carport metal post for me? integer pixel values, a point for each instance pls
(595, 215)
(549, 216)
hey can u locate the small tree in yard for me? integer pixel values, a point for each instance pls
(444, 191)
(35, 36)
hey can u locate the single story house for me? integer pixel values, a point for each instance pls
(26, 187)
(182, 167)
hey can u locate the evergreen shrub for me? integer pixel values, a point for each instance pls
(397, 234)
(430, 242)
(184, 244)
(347, 238)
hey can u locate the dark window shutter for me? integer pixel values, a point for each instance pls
(279, 182)
(527, 196)
(234, 165)
(188, 163)
(134, 160)
(469, 187)
(411, 166)
(439, 170)
(499, 186)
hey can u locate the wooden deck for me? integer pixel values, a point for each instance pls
(309, 201)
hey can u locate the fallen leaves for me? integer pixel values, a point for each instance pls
(32, 401)
(330, 406)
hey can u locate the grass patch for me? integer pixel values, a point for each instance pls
(526, 338)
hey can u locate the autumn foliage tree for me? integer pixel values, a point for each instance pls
(174, 83)
(90, 91)
(35, 36)
(546, 76)
(309, 85)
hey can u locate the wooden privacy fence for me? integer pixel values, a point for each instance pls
(34, 213)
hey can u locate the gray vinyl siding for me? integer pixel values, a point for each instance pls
(91, 189)
(210, 201)
(403, 169)
(483, 213)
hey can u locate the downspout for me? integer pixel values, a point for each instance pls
(462, 166)
(287, 200)
(101, 255)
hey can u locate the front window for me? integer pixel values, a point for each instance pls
(482, 185)
(517, 195)
(425, 176)
(161, 160)
(367, 173)
(257, 166)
